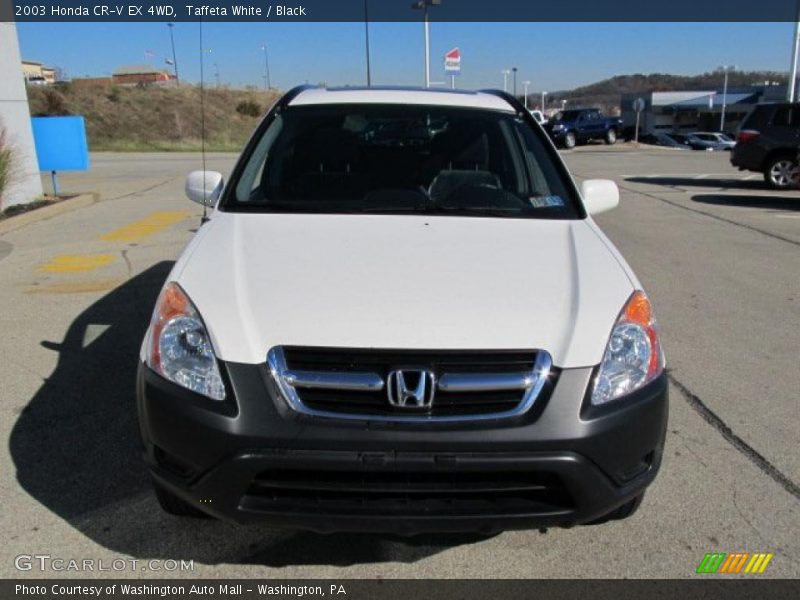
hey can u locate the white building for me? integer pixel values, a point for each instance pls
(696, 110)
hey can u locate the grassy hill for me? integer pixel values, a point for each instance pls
(156, 118)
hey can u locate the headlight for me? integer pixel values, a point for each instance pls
(179, 348)
(633, 356)
(557, 127)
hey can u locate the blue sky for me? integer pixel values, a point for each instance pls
(552, 56)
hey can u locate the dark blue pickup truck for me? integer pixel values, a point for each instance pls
(571, 127)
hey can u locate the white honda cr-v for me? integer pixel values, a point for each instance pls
(400, 316)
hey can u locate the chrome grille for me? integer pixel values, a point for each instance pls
(352, 383)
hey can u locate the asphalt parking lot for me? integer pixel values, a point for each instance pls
(718, 252)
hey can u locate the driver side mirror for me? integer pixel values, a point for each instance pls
(204, 187)
(599, 195)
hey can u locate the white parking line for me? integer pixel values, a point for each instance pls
(701, 176)
(787, 216)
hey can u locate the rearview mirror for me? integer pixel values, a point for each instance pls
(599, 195)
(204, 187)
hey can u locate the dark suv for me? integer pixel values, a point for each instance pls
(768, 141)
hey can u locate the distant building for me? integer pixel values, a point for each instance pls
(141, 75)
(699, 110)
(86, 82)
(37, 74)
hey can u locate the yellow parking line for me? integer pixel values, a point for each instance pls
(150, 225)
(67, 263)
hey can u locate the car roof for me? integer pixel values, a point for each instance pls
(401, 95)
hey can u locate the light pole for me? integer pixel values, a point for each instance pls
(423, 5)
(506, 73)
(174, 56)
(525, 85)
(267, 82)
(544, 99)
(725, 69)
(791, 89)
(366, 41)
(514, 71)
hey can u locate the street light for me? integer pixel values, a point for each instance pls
(423, 6)
(525, 85)
(506, 73)
(366, 42)
(514, 70)
(791, 88)
(725, 69)
(267, 82)
(544, 99)
(174, 56)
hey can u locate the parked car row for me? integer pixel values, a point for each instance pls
(699, 140)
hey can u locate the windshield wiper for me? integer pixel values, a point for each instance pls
(489, 211)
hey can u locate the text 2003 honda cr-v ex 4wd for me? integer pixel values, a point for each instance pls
(400, 317)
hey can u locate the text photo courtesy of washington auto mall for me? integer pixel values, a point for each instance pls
(398, 298)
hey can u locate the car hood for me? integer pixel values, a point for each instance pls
(392, 281)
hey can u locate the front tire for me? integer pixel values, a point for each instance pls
(779, 173)
(611, 137)
(569, 141)
(173, 505)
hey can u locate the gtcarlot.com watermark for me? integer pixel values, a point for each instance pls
(46, 562)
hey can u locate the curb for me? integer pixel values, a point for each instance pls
(47, 212)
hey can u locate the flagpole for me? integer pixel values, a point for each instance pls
(174, 56)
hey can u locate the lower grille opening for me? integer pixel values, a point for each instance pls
(408, 493)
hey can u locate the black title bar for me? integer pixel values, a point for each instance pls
(400, 10)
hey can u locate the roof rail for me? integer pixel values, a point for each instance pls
(515, 104)
(293, 93)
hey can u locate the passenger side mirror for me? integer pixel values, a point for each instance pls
(204, 187)
(599, 195)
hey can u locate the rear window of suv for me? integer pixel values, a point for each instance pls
(787, 116)
(775, 115)
(379, 159)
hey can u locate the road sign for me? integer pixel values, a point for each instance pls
(638, 105)
(452, 61)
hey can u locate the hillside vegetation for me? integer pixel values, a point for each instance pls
(168, 118)
(156, 118)
(606, 93)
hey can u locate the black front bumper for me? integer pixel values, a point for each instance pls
(250, 458)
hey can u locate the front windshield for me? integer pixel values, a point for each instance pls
(406, 159)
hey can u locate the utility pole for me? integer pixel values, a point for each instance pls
(506, 73)
(525, 85)
(725, 69)
(423, 5)
(267, 82)
(514, 71)
(544, 100)
(366, 41)
(174, 56)
(216, 73)
(791, 89)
